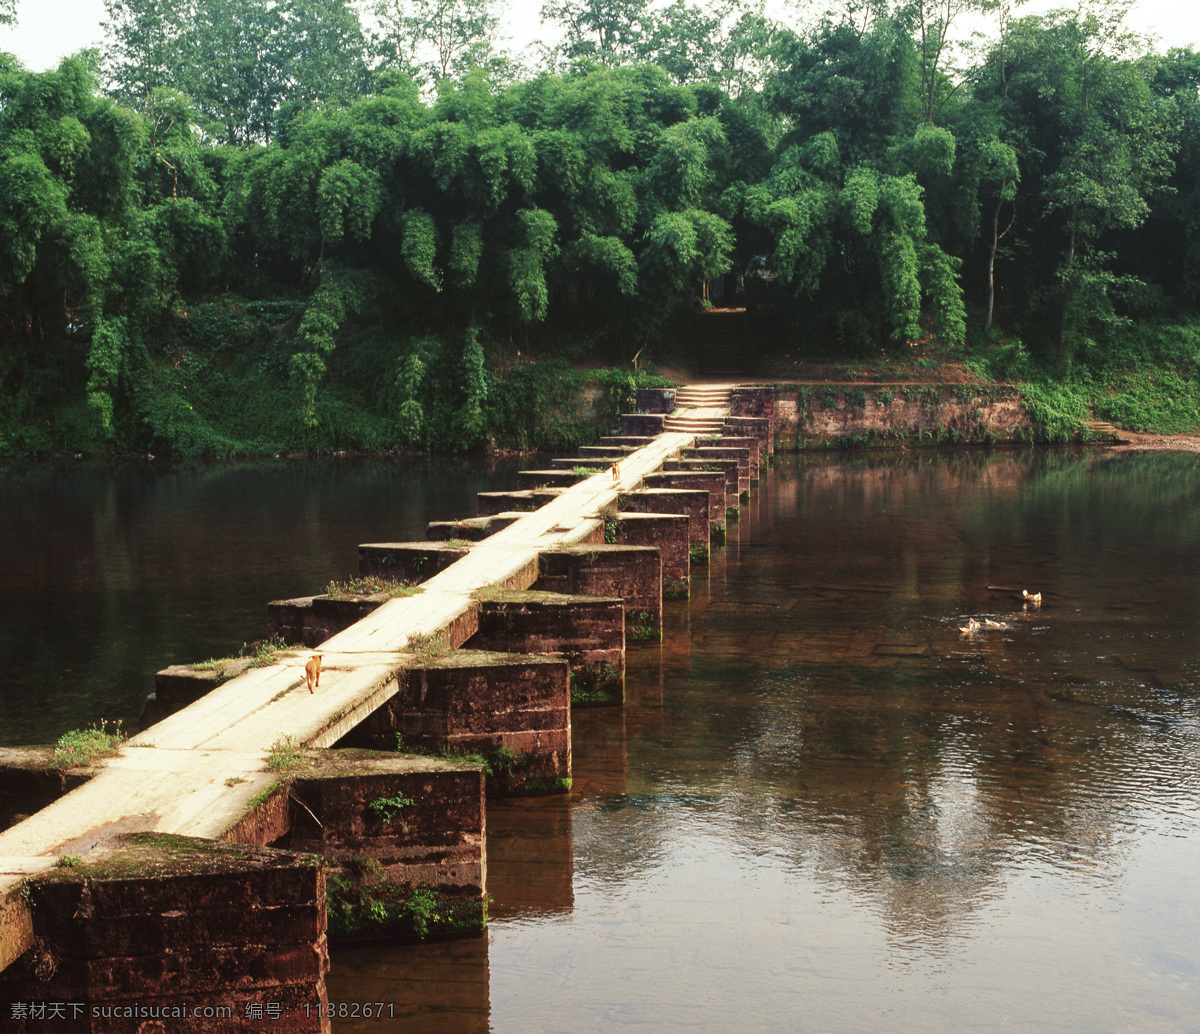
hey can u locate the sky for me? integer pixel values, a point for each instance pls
(48, 30)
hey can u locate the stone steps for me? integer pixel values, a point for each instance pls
(1105, 431)
(693, 395)
(694, 424)
(699, 409)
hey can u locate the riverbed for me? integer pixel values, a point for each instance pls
(824, 806)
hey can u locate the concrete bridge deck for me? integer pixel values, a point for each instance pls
(196, 772)
(154, 879)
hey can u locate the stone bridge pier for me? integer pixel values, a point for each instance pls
(195, 881)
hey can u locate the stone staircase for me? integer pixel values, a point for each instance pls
(699, 409)
(722, 343)
(1102, 430)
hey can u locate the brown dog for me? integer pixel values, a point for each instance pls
(616, 471)
(312, 671)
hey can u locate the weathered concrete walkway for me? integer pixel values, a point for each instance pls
(197, 772)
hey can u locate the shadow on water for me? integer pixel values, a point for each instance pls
(824, 807)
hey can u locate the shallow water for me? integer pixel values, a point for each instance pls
(823, 807)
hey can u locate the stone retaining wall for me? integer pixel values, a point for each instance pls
(817, 416)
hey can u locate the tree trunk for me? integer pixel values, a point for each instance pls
(996, 235)
(1065, 348)
(991, 288)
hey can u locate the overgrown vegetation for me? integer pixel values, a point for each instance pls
(388, 809)
(389, 588)
(676, 588)
(361, 902)
(504, 768)
(82, 747)
(641, 628)
(258, 653)
(387, 241)
(609, 515)
(428, 647)
(1145, 380)
(596, 686)
(284, 755)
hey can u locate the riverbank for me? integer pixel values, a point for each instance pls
(227, 398)
(1138, 442)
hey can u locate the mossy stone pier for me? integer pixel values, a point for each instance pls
(144, 915)
(710, 482)
(260, 791)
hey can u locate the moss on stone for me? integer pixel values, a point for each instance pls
(366, 906)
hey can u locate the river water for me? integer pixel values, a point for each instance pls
(824, 808)
(113, 572)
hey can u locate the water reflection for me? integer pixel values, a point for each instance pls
(114, 571)
(825, 808)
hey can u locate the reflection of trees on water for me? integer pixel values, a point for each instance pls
(841, 721)
(114, 571)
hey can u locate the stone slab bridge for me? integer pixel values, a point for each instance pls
(205, 867)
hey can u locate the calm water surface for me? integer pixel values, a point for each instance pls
(112, 572)
(823, 809)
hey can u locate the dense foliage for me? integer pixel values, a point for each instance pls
(259, 225)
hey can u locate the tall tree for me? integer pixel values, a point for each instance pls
(746, 53)
(1177, 219)
(142, 44)
(687, 40)
(322, 51)
(233, 67)
(842, 215)
(435, 39)
(8, 12)
(938, 47)
(608, 32)
(1100, 146)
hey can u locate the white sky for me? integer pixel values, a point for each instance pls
(48, 30)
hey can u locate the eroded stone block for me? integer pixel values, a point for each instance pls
(730, 468)
(525, 501)
(166, 922)
(632, 572)
(512, 710)
(691, 502)
(723, 453)
(669, 533)
(407, 561)
(711, 482)
(753, 427)
(470, 529)
(28, 782)
(533, 479)
(587, 631)
(655, 400)
(641, 424)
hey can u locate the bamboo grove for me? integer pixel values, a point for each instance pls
(281, 217)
